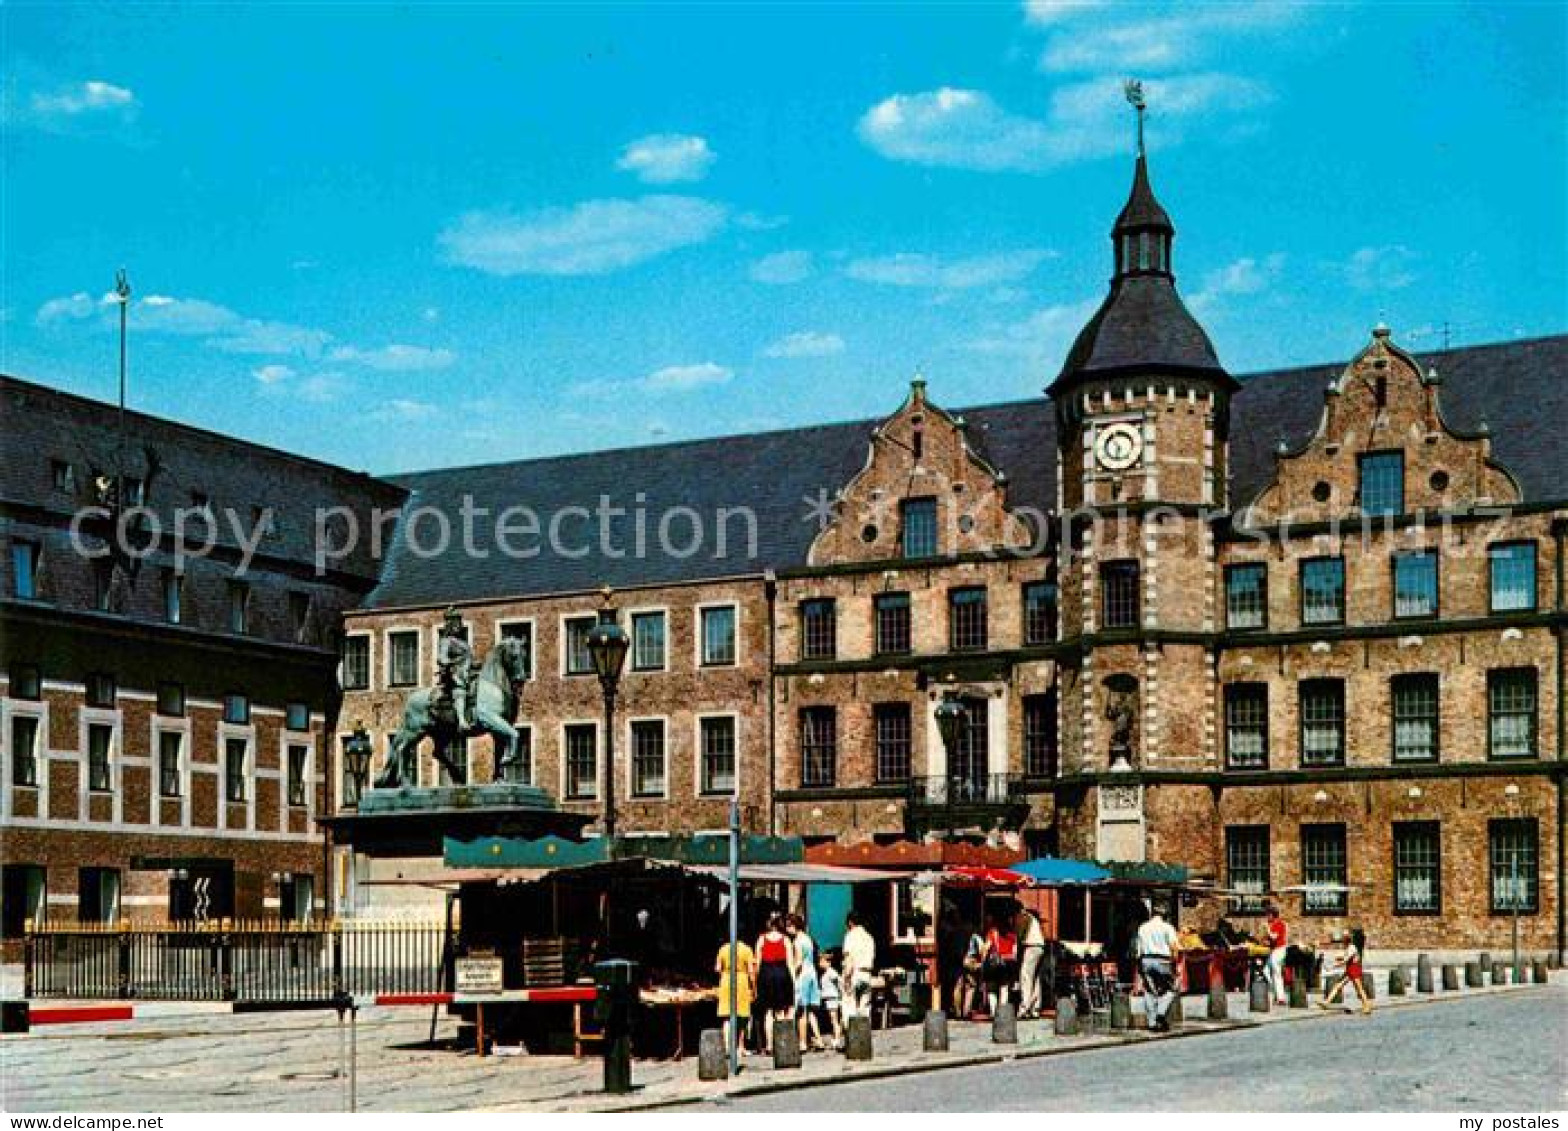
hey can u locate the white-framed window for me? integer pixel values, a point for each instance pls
(575, 657)
(580, 761)
(717, 755)
(403, 657)
(649, 640)
(649, 758)
(522, 629)
(298, 768)
(236, 768)
(100, 756)
(717, 635)
(171, 763)
(22, 739)
(356, 661)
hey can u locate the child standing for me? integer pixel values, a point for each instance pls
(832, 986)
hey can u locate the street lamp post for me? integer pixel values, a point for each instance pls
(356, 753)
(950, 717)
(607, 645)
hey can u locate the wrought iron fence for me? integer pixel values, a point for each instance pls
(966, 789)
(236, 960)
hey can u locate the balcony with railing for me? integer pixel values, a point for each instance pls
(957, 802)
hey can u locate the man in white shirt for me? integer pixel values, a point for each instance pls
(1031, 952)
(1157, 946)
(860, 960)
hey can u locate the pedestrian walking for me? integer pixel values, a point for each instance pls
(1277, 936)
(1031, 956)
(745, 985)
(860, 960)
(1157, 943)
(972, 980)
(1348, 970)
(775, 982)
(808, 990)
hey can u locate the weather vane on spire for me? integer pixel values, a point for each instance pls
(1133, 89)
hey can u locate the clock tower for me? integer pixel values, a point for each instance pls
(1142, 411)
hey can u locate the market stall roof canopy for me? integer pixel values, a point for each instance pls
(803, 874)
(1058, 871)
(979, 876)
(559, 852)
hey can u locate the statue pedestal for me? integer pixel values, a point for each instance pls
(495, 795)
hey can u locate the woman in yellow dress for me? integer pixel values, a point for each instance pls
(745, 985)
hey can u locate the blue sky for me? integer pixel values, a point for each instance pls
(399, 237)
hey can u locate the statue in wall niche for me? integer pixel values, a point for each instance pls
(464, 703)
(1121, 711)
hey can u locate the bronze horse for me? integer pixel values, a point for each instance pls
(428, 713)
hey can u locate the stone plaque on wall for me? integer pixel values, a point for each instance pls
(1120, 822)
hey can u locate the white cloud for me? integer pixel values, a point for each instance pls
(967, 129)
(272, 374)
(670, 379)
(1042, 338)
(1245, 276)
(1387, 268)
(782, 267)
(680, 378)
(69, 308)
(591, 238)
(1130, 39)
(93, 96)
(667, 159)
(805, 343)
(1049, 12)
(759, 221)
(916, 269)
(405, 409)
(396, 358)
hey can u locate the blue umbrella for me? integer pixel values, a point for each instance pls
(1058, 871)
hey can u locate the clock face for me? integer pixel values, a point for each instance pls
(1118, 446)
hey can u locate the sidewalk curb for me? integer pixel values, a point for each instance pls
(976, 1060)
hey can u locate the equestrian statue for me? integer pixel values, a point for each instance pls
(468, 699)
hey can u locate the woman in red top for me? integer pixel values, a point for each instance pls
(1350, 973)
(1000, 961)
(775, 983)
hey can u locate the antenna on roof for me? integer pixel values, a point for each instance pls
(1132, 89)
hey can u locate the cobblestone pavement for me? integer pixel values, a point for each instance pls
(288, 1062)
(1493, 1053)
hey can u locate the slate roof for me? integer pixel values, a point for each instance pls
(1142, 326)
(1519, 388)
(1143, 209)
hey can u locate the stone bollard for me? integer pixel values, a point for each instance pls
(935, 1031)
(786, 1044)
(1540, 971)
(1450, 977)
(1396, 982)
(713, 1058)
(1368, 987)
(857, 1038)
(1219, 1001)
(1004, 1025)
(1486, 962)
(1298, 994)
(1472, 975)
(1121, 1011)
(1423, 974)
(1260, 996)
(1066, 1017)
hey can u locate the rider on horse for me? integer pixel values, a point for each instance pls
(455, 668)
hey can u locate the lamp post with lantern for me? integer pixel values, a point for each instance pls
(607, 646)
(951, 714)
